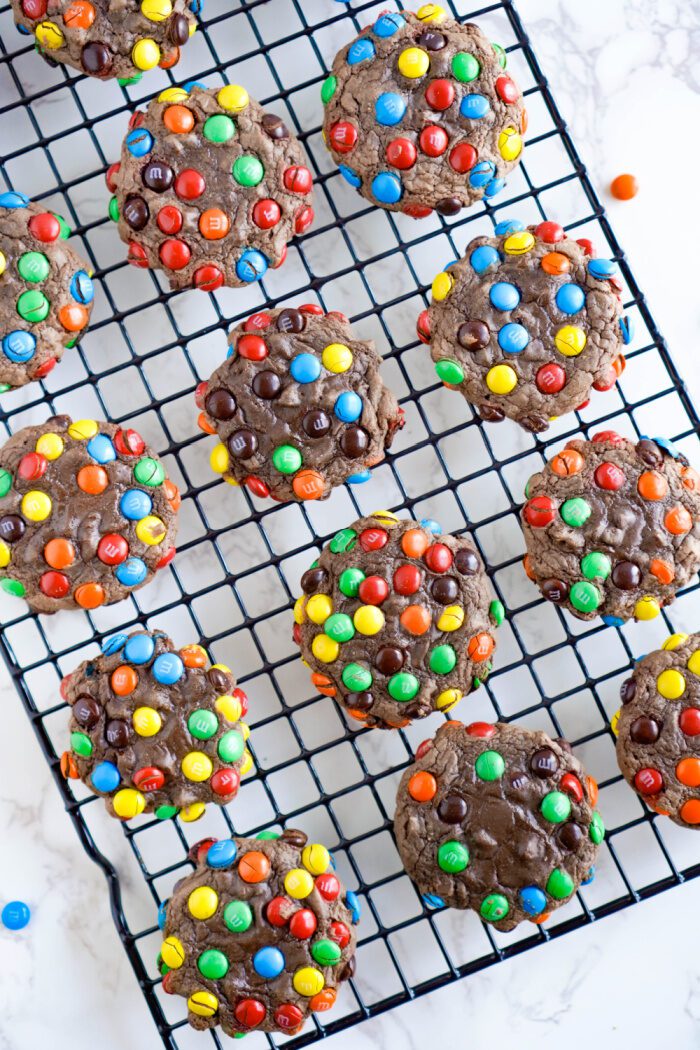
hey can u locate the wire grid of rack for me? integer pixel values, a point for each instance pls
(240, 559)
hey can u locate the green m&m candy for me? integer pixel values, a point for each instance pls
(442, 659)
(500, 55)
(449, 372)
(465, 67)
(348, 582)
(325, 952)
(559, 884)
(268, 836)
(248, 170)
(403, 686)
(114, 209)
(238, 916)
(575, 512)
(339, 627)
(219, 128)
(497, 612)
(202, 724)
(494, 907)
(286, 459)
(166, 812)
(490, 765)
(65, 228)
(356, 678)
(584, 596)
(452, 856)
(212, 964)
(344, 540)
(149, 472)
(231, 746)
(33, 267)
(81, 744)
(5, 482)
(596, 566)
(328, 89)
(128, 81)
(14, 587)
(556, 807)
(597, 829)
(33, 306)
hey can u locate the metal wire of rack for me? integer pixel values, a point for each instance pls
(140, 361)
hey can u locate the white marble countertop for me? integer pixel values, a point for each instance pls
(625, 74)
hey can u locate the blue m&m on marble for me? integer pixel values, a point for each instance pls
(15, 915)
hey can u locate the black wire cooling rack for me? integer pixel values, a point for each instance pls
(240, 560)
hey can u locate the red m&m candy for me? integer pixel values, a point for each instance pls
(257, 322)
(463, 157)
(343, 136)
(550, 379)
(373, 590)
(539, 511)
(252, 347)
(112, 549)
(401, 153)
(302, 924)
(328, 886)
(407, 579)
(433, 140)
(190, 184)
(169, 219)
(249, 1012)
(373, 539)
(45, 227)
(550, 232)
(208, 278)
(303, 219)
(32, 466)
(689, 721)
(279, 911)
(129, 443)
(481, 729)
(609, 476)
(149, 778)
(225, 782)
(440, 94)
(297, 179)
(54, 584)
(174, 254)
(266, 214)
(438, 557)
(648, 781)
(288, 1016)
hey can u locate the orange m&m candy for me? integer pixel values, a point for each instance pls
(172, 494)
(193, 656)
(59, 553)
(422, 786)
(678, 521)
(254, 866)
(592, 788)
(308, 484)
(170, 59)
(652, 485)
(690, 479)
(688, 772)
(89, 595)
(567, 462)
(527, 566)
(73, 317)
(323, 1000)
(92, 479)
(415, 619)
(555, 263)
(214, 224)
(624, 187)
(123, 680)
(663, 572)
(68, 766)
(414, 543)
(690, 811)
(480, 646)
(178, 119)
(79, 15)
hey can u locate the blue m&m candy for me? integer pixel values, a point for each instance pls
(506, 226)
(82, 288)
(348, 406)
(131, 572)
(474, 107)
(105, 777)
(612, 621)
(194, 83)
(493, 187)
(432, 900)
(387, 25)
(139, 142)
(432, 526)
(361, 50)
(533, 900)
(389, 109)
(570, 298)
(359, 479)
(168, 668)
(101, 449)
(627, 329)
(113, 644)
(665, 444)
(483, 257)
(222, 854)
(387, 187)
(504, 296)
(305, 368)
(162, 914)
(482, 173)
(350, 176)
(15, 915)
(268, 963)
(251, 266)
(590, 875)
(11, 199)
(602, 268)
(513, 338)
(139, 649)
(19, 345)
(353, 906)
(135, 504)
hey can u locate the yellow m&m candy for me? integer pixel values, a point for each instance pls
(233, 98)
(570, 340)
(128, 803)
(83, 429)
(501, 379)
(298, 883)
(145, 54)
(247, 763)
(150, 530)
(674, 640)
(299, 607)
(197, 766)
(325, 649)
(318, 608)
(447, 699)
(49, 35)
(308, 981)
(50, 445)
(337, 357)
(413, 62)
(431, 13)
(156, 10)
(368, 619)
(191, 813)
(315, 858)
(510, 146)
(146, 721)
(36, 506)
(172, 952)
(203, 1003)
(670, 684)
(451, 619)
(203, 902)
(519, 243)
(219, 459)
(3, 263)
(5, 554)
(173, 94)
(229, 707)
(385, 516)
(647, 608)
(442, 286)
(615, 724)
(694, 662)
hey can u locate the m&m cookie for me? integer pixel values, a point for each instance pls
(658, 729)
(498, 819)
(395, 620)
(87, 514)
(156, 729)
(526, 324)
(109, 38)
(210, 188)
(46, 291)
(260, 935)
(612, 527)
(299, 405)
(420, 113)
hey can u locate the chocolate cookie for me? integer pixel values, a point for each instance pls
(299, 405)
(658, 729)
(498, 819)
(612, 527)
(109, 38)
(526, 324)
(45, 291)
(420, 113)
(210, 188)
(395, 621)
(87, 514)
(260, 935)
(154, 729)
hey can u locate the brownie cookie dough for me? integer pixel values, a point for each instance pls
(154, 729)
(210, 188)
(299, 405)
(658, 729)
(109, 38)
(420, 113)
(260, 935)
(526, 324)
(498, 819)
(396, 621)
(87, 514)
(46, 291)
(612, 527)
